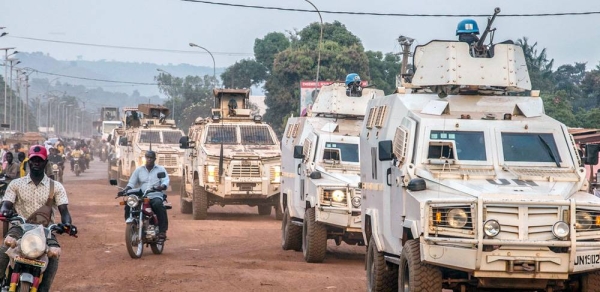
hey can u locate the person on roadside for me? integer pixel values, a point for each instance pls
(23, 165)
(146, 176)
(28, 194)
(11, 171)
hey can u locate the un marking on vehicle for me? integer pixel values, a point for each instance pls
(590, 259)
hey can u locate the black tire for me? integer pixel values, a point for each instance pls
(590, 282)
(380, 275)
(278, 212)
(77, 170)
(157, 248)
(264, 210)
(24, 286)
(199, 202)
(314, 238)
(415, 276)
(133, 242)
(291, 235)
(184, 206)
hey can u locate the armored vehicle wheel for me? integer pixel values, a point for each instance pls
(184, 206)
(199, 202)
(278, 212)
(415, 276)
(590, 281)
(380, 275)
(264, 210)
(314, 238)
(291, 235)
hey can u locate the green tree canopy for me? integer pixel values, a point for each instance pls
(244, 74)
(266, 48)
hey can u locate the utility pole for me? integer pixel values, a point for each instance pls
(26, 116)
(5, 73)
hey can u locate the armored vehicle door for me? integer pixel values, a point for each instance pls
(306, 167)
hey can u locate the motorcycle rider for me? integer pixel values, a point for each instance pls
(28, 194)
(77, 153)
(146, 177)
(57, 159)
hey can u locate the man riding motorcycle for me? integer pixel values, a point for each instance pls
(57, 159)
(27, 195)
(77, 153)
(145, 177)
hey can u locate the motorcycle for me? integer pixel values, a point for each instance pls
(76, 167)
(103, 154)
(142, 225)
(57, 171)
(30, 254)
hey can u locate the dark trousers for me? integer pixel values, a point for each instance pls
(50, 272)
(161, 213)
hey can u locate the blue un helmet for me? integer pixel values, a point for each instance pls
(467, 26)
(352, 77)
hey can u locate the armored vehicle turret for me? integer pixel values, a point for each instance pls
(321, 170)
(469, 184)
(232, 158)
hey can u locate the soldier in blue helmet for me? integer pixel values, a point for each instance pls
(467, 31)
(353, 85)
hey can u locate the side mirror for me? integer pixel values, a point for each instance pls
(591, 154)
(123, 141)
(298, 152)
(113, 182)
(184, 142)
(161, 174)
(385, 150)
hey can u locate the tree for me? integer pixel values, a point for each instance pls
(383, 70)
(266, 48)
(192, 95)
(540, 68)
(244, 74)
(558, 107)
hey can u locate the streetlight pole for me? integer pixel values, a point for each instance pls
(13, 62)
(172, 97)
(67, 110)
(320, 44)
(213, 59)
(5, 73)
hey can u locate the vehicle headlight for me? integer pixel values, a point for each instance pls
(560, 229)
(276, 174)
(54, 167)
(583, 220)
(338, 196)
(32, 245)
(132, 201)
(457, 218)
(356, 201)
(491, 228)
(211, 173)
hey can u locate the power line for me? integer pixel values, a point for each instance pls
(395, 14)
(130, 48)
(94, 79)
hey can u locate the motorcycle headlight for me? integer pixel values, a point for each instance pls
(338, 196)
(356, 201)
(54, 167)
(583, 220)
(491, 228)
(560, 229)
(32, 245)
(132, 201)
(457, 218)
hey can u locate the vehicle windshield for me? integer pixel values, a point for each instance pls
(469, 145)
(154, 137)
(529, 147)
(256, 135)
(347, 151)
(218, 134)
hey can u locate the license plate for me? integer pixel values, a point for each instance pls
(246, 187)
(31, 262)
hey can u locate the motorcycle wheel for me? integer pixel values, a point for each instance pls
(77, 171)
(157, 248)
(24, 286)
(135, 245)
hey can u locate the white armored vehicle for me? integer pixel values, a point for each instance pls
(321, 169)
(467, 183)
(232, 158)
(147, 128)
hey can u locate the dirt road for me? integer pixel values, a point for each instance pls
(235, 250)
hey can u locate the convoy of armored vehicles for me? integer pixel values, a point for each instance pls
(231, 158)
(457, 181)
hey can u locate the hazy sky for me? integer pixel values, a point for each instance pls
(172, 24)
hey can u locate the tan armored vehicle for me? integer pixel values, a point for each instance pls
(231, 158)
(148, 128)
(468, 184)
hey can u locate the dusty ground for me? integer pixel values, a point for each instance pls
(235, 250)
